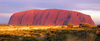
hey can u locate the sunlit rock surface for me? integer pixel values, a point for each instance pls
(49, 17)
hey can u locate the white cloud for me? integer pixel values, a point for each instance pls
(6, 14)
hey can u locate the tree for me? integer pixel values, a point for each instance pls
(70, 25)
(27, 25)
(63, 25)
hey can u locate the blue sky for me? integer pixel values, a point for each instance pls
(89, 7)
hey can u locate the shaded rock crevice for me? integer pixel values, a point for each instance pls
(46, 18)
(22, 17)
(57, 17)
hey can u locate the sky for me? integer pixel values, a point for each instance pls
(89, 7)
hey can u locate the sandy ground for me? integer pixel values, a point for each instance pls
(10, 28)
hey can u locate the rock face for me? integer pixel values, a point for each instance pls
(49, 17)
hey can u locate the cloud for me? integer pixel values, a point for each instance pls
(12, 6)
(95, 7)
(6, 14)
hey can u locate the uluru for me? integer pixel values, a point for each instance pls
(49, 17)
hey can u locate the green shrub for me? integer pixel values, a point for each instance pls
(70, 25)
(84, 25)
(3, 24)
(98, 26)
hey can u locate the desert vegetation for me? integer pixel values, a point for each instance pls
(70, 32)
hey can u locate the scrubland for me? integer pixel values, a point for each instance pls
(49, 33)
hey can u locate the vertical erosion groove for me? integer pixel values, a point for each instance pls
(35, 16)
(27, 18)
(67, 19)
(40, 22)
(57, 17)
(22, 18)
(46, 18)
